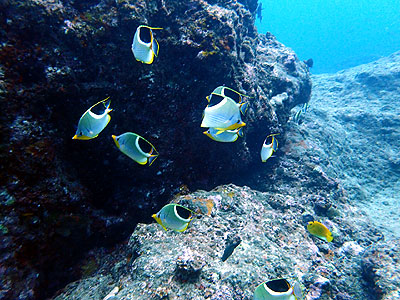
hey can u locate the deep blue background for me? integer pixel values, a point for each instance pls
(337, 34)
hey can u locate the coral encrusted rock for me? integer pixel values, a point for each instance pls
(274, 243)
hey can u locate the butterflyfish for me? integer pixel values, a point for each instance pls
(174, 216)
(90, 124)
(268, 149)
(227, 136)
(320, 230)
(131, 144)
(144, 45)
(223, 116)
(277, 289)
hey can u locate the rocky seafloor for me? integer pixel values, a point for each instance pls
(353, 126)
(307, 180)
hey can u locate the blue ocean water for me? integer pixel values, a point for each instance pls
(337, 34)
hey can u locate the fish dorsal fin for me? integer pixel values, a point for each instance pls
(153, 28)
(102, 101)
(272, 141)
(150, 156)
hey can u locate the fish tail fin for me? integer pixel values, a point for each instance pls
(152, 158)
(155, 47)
(240, 132)
(158, 220)
(243, 107)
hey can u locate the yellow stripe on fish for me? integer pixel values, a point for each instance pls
(320, 230)
(227, 136)
(144, 46)
(128, 143)
(90, 124)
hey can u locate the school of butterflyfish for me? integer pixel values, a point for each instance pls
(223, 119)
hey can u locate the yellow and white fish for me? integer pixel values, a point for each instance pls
(128, 143)
(228, 136)
(223, 116)
(320, 230)
(268, 149)
(174, 216)
(90, 124)
(144, 45)
(279, 289)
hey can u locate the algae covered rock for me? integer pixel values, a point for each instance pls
(274, 244)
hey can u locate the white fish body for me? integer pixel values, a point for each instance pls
(169, 218)
(223, 115)
(128, 143)
(144, 51)
(268, 149)
(228, 136)
(90, 124)
(266, 152)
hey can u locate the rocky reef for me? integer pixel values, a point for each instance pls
(60, 197)
(313, 177)
(353, 127)
(274, 243)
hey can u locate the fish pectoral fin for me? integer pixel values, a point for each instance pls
(219, 132)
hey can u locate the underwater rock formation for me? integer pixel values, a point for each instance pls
(158, 264)
(353, 128)
(59, 196)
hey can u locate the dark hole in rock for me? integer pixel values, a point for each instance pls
(145, 34)
(278, 285)
(183, 212)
